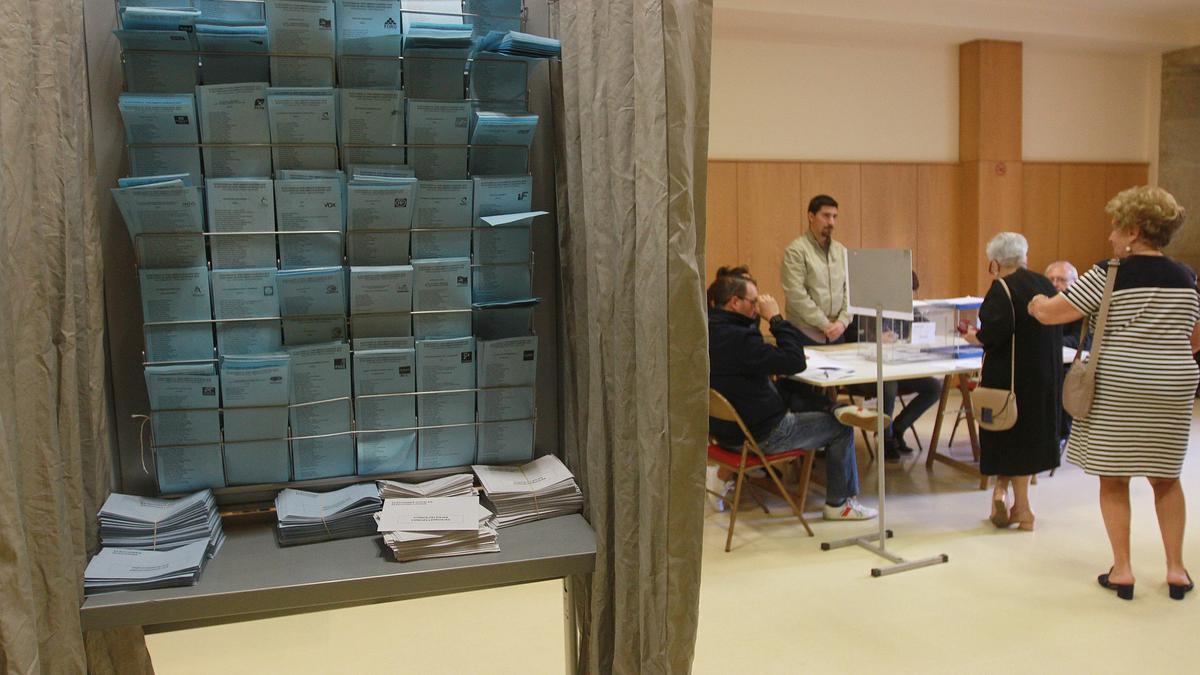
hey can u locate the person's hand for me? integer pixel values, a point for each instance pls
(971, 338)
(1033, 303)
(767, 307)
(834, 330)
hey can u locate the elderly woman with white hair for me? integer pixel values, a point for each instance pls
(1013, 456)
(1146, 377)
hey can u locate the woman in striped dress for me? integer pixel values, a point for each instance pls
(1146, 379)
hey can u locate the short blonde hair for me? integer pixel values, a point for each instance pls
(1150, 208)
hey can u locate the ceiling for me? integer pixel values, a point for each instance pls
(1144, 26)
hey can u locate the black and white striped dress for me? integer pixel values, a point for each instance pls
(1146, 382)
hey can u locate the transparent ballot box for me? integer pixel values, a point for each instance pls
(932, 334)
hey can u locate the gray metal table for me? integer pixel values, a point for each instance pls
(254, 578)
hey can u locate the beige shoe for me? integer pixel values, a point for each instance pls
(854, 416)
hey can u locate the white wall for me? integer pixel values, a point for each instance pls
(813, 99)
(1089, 106)
(793, 100)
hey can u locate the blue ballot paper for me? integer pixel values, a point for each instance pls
(506, 371)
(496, 77)
(506, 240)
(494, 15)
(377, 373)
(321, 409)
(159, 18)
(246, 294)
(443, 204)
(515, 43)
(496, 195)
(303, 123)
(308, 204)
(158, 61)
(441, 284)
(183, 404)
(243, 40)
(375, 343)
(381, 173)
(497, 128)
(438, 123)
(378, 221)
(369, 33)
(309, 330)
(234, 113)
(255, 391)
(301, 27)
(167, 180)
(501, 282)
(446, 366)
(435, 58)
(444, 12)
(315, 291)
(188, 468)
(162, 133)
(165, 222)
(371, 120)
(241, 205)
(175, 295)
(381, 290)
(441, 324)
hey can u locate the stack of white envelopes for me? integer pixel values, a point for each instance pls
(153, 543)
(436, 527)
(543, 488)
(455, 485)
(308, 517)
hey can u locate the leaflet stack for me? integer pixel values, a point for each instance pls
(308, 517)
(543, 488)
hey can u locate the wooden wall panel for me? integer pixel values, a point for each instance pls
(990, 90)
(770, 214)
(1084, 227)
(721, 232)
(843, 182)
(991, 204)
(1040, 213)
(1119, 177)
(937, 233)
(889, 206)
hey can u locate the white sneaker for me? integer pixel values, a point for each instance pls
(854, 416)
(851, 510)
(726, 498)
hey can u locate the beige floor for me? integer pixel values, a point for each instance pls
(1008, 601)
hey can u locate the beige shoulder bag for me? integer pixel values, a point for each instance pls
(1079, 385)
(996, 409)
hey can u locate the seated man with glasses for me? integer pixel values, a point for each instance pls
(741, 366)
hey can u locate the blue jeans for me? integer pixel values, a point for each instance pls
(815, 430)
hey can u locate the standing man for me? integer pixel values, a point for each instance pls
(814, 277)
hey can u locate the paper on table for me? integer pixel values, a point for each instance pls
(424, 514)
(542, 472)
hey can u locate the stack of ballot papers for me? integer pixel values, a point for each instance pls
(130, 521)
(154, 543)
(131, 569)
(436, 527)
(543, 488)
(308, 517)
(455, 485)
(515, 43)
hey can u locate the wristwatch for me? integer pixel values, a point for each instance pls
(777, 319)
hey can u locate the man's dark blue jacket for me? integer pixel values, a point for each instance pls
(740, 368)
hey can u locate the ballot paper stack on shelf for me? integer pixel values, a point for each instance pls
(543, 488)
(454, 485)
(154, 543)
(308, 517)
(415, 528)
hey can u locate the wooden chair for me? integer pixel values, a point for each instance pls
(750, 457)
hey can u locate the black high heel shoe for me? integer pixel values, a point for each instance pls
(1124, 591)
(1177, 591)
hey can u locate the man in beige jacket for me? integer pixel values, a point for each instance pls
(814, 277)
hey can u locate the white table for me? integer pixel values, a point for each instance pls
(854, 369)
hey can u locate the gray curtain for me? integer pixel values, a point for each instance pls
(55, 448)
(631, 116)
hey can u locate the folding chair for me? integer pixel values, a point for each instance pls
(750, 457)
